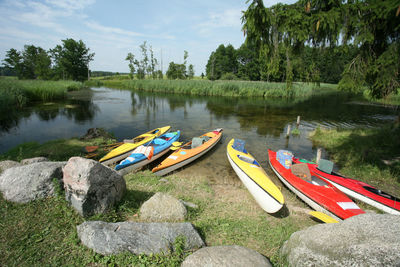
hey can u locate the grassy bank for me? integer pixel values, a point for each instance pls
(369, 155)
(43, 232)
(18, 93)
(216, 88)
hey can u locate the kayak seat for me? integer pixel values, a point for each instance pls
(248, 160)
(198, 141)
(301, 170)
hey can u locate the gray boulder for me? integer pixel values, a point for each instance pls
(33, 160)
(6, 164)
(29, 182)
(162, 208)
(137, 238)
(363, 240)
(226, 256)
(90, 187)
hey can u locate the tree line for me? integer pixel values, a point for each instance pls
(148, 66)
(68, 61)
(370, 26)
(313, 64)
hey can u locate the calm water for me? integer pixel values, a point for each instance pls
(127, 114)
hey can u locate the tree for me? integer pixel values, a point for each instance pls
(71, 60)
(223, 60)
(33, 62)
(13, 61)
(131, 58)
(371, 25)
(190, 71)
(176, 71)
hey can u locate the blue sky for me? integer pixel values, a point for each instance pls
(111, 29)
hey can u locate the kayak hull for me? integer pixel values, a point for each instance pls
(126, 149)
(323, 197)
(184, 156)
(265, 192)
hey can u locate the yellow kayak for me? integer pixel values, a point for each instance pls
(264, 191)
(126, 149)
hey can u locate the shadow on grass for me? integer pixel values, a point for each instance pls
(282, 213)
(372, 153)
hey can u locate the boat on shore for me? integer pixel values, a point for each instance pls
(313, 189)
(253, 176)
(189, 152)
(124, 150)
(145, 154)
(359, 190)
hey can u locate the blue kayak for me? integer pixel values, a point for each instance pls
(147, 153)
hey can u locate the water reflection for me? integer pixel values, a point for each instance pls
(261, 122)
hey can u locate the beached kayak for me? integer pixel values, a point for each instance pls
(126, 149)
(359, 190)
(253, 176)
(145, 154)
(313, 189)
(189, 152)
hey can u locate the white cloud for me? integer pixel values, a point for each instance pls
(227, 18)
(105, 29)
(71, 4)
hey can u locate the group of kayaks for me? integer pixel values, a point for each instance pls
(322, 189)
(145, 148)
(325, 191)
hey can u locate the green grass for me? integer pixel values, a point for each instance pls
(360, 153)
(217, 88)
(43, 232)
(18, 93)
(56, 150)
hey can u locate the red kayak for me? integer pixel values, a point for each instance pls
(313, 189)
(360, 190)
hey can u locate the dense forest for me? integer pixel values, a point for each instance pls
(67, 61)
(313, 64)
(372, 26)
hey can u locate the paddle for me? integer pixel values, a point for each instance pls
(322, 217)
(176, 145)
(91, 149)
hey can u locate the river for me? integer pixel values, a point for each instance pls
(262, 123)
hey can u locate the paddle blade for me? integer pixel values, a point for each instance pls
(90, 149)
(174, 147)
(322, 217)
(177, 143)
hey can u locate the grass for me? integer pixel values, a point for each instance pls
(362, 153)
(217, 88)
(56, 150)
(18, 93)
(43, 232)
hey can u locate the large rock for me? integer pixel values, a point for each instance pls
(33, 160)
(113, 238)
(363, 240)
(6, 164)
(226, 256)
(29, 182)
(90, 187)
(163, 208)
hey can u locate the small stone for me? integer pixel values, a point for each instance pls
(162, 208)
(34, 160)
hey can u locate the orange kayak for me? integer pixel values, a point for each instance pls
(190, 151)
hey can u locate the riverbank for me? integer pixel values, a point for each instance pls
(18, 93)
(371, 155)
(216, 88)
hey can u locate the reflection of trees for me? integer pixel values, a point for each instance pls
(80, 110)
(270, 116)
(12, 118)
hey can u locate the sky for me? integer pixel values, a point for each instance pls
(112, 29)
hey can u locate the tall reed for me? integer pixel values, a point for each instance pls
(17, 93)
(214, 88)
